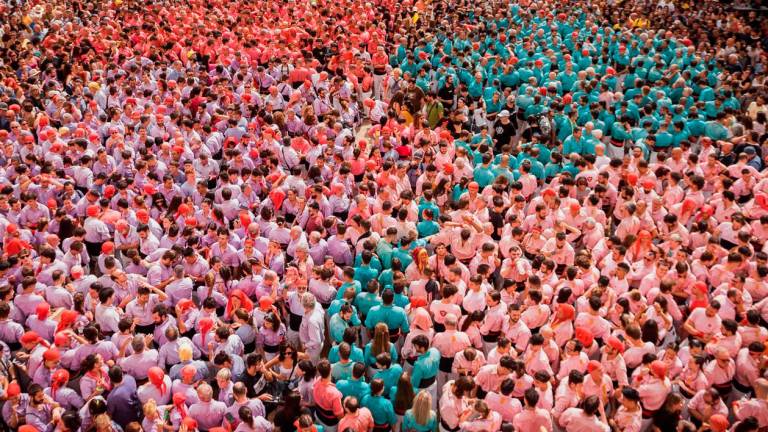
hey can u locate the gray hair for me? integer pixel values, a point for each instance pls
(308, 300)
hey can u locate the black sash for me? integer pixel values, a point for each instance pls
(446, 364)
(328, 418)
(294, 321)
(426, 382)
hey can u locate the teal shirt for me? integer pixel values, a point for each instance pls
(370, 359)
(390, 377)
(352, 387)
(483, 176)
(337, 325)
(381, 409)
(341, 370)
(386, 278)
(384, 251)
(404, 256)
(427, 228)
(426, 366)
(365, 301)
(345, 286)
(409, 423)
(365, 274)
(393, 316)
(356, 355)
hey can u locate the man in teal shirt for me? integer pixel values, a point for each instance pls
(356, 385)
(387, 372)
(340, 322)
(424, 374)
(368, 298)
(393, 316)
(483, 174)
(381, 408)
(365, 273)
(386, 246)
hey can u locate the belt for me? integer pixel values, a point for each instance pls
(446, 364)
(271, 348)
(648, 413)
(492, 337)
(617, 143)
(427, 382)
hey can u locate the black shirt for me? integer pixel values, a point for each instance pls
(252, 382)
(503, 133)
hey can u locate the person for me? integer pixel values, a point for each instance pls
(123, 403)
(381, 408)
(328, 407)
(421, 417)
(356, 418)
(479, 417)
(208, 413)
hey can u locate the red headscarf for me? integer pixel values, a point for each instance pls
(67, 318)
(157, 378)
(245, 302)
(179, 401)
(59, 379)
(206, 324)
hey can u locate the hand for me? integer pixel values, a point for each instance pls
(265, 397)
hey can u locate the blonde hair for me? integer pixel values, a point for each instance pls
(422, 408)
(150, 408)
(380, 339)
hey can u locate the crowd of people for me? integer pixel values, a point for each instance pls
(372, 216)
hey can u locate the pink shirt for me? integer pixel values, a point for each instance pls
(489, 379)
(653, 393)
(328, 397)
(507, 406)
(574, 420)
(533, 420)
(697, 402)
(451, 342)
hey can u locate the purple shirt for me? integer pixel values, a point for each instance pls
(208, 414)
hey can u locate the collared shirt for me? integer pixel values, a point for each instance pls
(208, 414)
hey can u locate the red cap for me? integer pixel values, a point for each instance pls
(52, 354)
(92, 210)
(659, 368)
(29, 337)
(616, 344)
(42, 310)
(60, 339)
(12, 229)
(142, 214)
(718, 423)
(593, 365)
(584, 336)
(14, 390)
(107, 247)
(149, 189)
